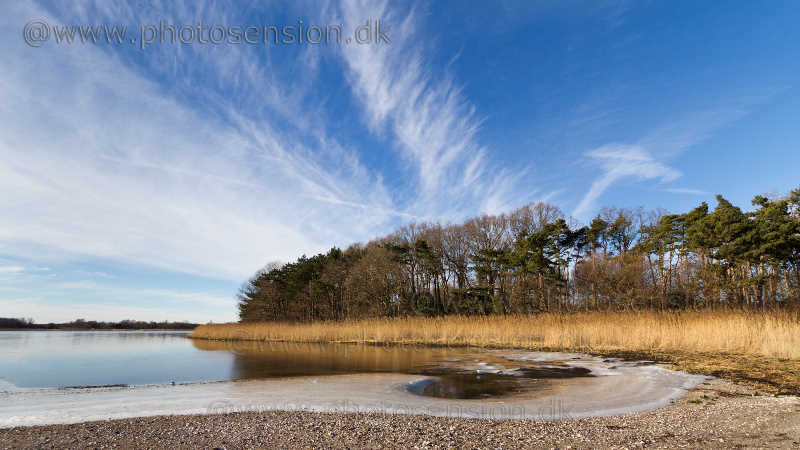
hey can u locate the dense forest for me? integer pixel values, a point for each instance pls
(81, 324)
(535, 259)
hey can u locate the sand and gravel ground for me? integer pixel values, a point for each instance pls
(717, 414)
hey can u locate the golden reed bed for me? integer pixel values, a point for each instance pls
(762, 334)
(761, 349)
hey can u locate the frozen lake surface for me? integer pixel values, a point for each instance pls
(65, 377)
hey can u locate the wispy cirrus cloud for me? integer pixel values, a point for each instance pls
(618, 161)
(106, 157)
(644, 159)
(424, 113)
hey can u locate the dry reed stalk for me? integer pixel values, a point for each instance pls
(774, 334)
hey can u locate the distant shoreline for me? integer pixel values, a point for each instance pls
(17, 323)
(188, 330)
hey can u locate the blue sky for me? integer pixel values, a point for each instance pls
(150, 183)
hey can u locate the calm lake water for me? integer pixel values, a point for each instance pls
(53, 359)
(90, 358)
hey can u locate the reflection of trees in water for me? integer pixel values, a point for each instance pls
(472, 386)
(259, 359)
(458, 373)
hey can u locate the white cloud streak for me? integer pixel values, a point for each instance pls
(97, 160)
(641, 160)
(618, 162)
(427, 116)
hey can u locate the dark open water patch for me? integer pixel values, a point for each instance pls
(477, 385)
(549, 372)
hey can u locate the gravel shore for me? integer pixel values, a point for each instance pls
(717, 414)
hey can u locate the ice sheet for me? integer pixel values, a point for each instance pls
(631, 388)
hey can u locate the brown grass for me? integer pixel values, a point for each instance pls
(762, 349)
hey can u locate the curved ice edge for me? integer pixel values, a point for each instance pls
(690, 382)
(346, 394)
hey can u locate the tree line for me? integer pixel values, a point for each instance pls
(536, 259)
(81, 324)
